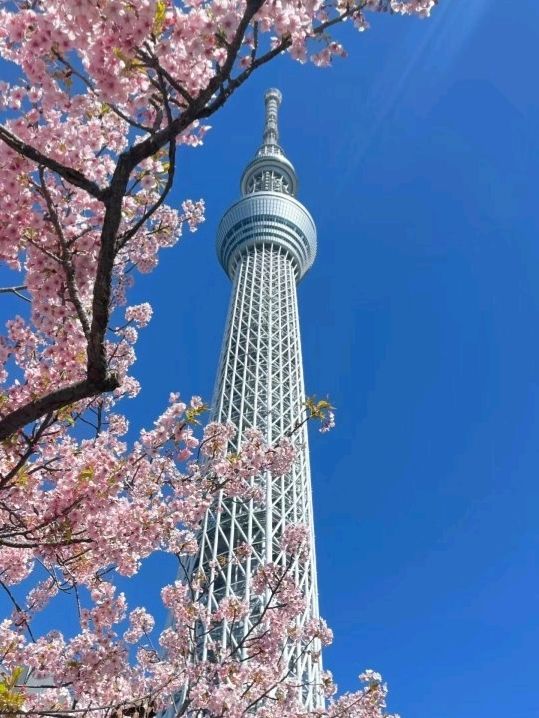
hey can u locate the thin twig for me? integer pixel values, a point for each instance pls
(15, 290)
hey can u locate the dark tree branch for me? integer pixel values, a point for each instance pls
(66, 261)
(38, 543)
(18, 608)
(170, 174)
(54, 401)
(47, 421)
(151, 60)
(91, 87)
(72, 176)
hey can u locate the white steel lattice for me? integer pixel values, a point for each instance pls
(266, 242)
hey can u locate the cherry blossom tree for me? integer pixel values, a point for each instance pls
(106, 92)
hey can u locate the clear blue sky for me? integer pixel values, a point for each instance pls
(418, 157)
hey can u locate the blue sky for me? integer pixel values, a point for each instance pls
(417, 156)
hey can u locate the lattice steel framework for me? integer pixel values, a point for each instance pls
(266, 242)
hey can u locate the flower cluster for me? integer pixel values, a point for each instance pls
(295, 539)
(81, 513)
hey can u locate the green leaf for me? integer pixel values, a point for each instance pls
(159, 17)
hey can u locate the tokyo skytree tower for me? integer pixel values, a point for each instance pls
(266, 242)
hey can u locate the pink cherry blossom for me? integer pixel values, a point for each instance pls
(140, 314)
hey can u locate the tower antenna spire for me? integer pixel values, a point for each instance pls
(270, 170)
(272, 99)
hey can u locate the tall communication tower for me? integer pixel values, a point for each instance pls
(266, 242)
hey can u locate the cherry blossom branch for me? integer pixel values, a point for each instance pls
(18, 609)
(278, 681)
(67, 264)
(126, 236)
(73, 176)
(265, 609)
(32, 443)
(45, 544)
(58, 399)
(91, 87)
(71, 711)
(151, 60)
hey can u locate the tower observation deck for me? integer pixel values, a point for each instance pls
(266, 242)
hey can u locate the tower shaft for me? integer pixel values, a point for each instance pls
(266, 242)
